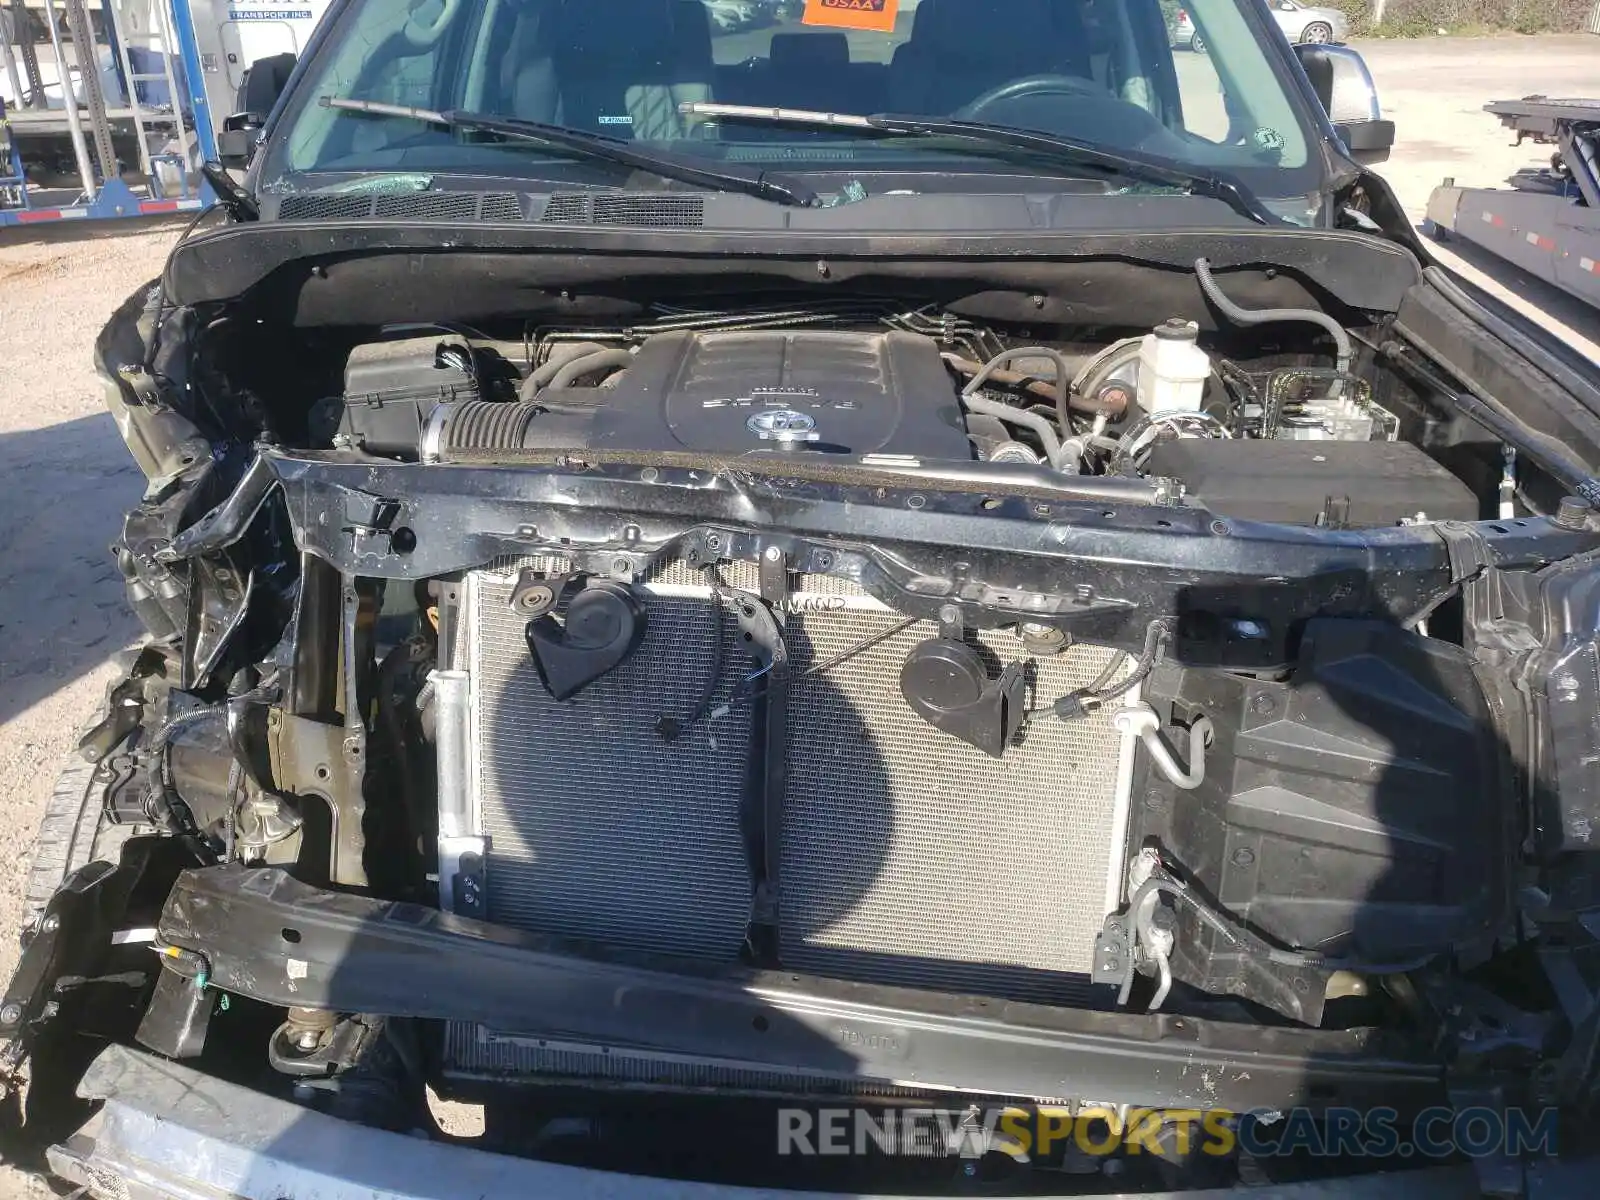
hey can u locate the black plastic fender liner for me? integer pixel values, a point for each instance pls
(273, 939)
(1502, 364)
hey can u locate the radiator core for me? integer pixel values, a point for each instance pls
(908, 856)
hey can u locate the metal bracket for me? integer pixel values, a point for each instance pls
(355, 954)
(229, 521)
(124, 707)
(463, 876)
(372, 530)
(318, 758)
(767, 772)
(218, 604)
(349, 809)
(1469, 551)
(1112, 946)
(307, 755)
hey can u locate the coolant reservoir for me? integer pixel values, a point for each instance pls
(1172, 368)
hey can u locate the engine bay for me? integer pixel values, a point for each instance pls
(1296, 442)
(799, 696)
(717, 664)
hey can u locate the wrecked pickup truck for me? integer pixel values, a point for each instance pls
(818, 606)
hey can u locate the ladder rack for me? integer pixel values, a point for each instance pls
(168, 157)
(158, 41)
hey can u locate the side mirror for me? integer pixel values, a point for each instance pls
(236, 144)
(1342, 82)
(264, 83)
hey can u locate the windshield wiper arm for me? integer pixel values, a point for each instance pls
(762, 185)
(1215, 183)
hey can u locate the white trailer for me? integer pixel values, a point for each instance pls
(232, 34)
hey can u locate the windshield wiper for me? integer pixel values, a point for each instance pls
(1217, 184)
(594, 145)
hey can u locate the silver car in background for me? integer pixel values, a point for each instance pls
(1299, 22)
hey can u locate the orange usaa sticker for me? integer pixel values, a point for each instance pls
(852, 14)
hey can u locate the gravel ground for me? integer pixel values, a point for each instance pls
(65, 478)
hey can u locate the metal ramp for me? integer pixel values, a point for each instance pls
(1548, 221)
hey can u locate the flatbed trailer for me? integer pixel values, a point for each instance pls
(1547, 221)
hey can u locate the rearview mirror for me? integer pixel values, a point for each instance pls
(1342, 82)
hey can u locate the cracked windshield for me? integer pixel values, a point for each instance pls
(672, 76)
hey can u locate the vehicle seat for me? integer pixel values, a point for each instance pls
(528, 69)
(960, 49)
(624, 66)
(810, 70)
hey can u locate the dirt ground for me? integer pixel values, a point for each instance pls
(65, 478)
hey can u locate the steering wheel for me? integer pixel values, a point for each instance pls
(421, 32)
(1026, 88)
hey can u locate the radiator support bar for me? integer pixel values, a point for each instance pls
(273, 939)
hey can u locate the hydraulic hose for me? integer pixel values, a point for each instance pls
(1004, 377)
(1063, 388)
(1016, 416)
(1142, 721)
(1265, 316)
(1164, 986)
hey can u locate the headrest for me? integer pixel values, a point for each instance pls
(618, 29)
(990, 28)
(810, 51)
(692, 32)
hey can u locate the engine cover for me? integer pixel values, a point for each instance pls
(810, 392)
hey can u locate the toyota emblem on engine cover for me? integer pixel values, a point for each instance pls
(783, 425)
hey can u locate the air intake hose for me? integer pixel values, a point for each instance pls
(475, 425)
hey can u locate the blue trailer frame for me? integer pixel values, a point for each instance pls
(112, 198)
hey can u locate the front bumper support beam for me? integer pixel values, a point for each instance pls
(273, 939)
(170, 1133)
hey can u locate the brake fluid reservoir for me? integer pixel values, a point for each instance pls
(1172, 368)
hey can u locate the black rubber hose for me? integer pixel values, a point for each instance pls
(560, 356)
(1063, 395)
(1264, 316)
(1040, 425)
(590, 364)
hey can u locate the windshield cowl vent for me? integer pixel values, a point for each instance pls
(404, 206)
(672, 211)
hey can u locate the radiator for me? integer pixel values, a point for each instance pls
(908, 856)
